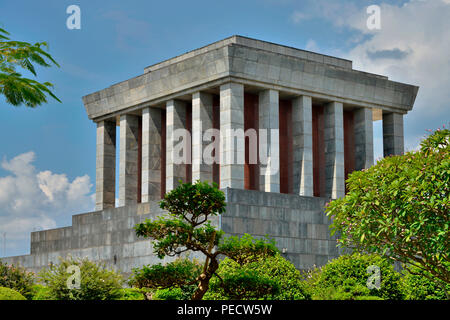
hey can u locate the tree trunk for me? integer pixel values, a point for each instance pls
(203, 285)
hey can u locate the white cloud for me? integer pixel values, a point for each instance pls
(311, 45)
(412, 46)
(32, 200)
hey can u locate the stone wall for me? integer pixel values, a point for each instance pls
(297, 224)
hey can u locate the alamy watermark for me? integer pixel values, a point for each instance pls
(226, 147)
(74, 280)
(374, 280)
(374, 20)
(74, 20)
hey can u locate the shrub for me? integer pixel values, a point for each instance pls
(345, 278)
(17, 278)
(417, 286)
(41, 292)
(173, 293)
(177, 280)
(268, 277)
(97, 282)
(10, 294)
(131, 294)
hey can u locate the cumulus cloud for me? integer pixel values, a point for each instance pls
(412, 46)
(33, 200)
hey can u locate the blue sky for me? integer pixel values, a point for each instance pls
(47, 154)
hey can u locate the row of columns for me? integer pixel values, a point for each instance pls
(231, 172)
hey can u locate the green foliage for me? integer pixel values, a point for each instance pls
(181, 274)
(247, 249)
(130, 294)
(97, 282)
(17, 278)
(174, 293)
(345, 278)
(400, 208)
(417, 286)
(10, 294)
(268, 277)
(186, 227)
(41, 292)
(17, 89)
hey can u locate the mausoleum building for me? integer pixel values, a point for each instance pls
(277, 128)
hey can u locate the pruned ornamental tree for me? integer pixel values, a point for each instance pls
(18, 54)
(187, 228)
(400, 208)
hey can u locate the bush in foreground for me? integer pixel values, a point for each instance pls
(97, 282)
(269, 277)
(346, 277)
(17, 278)
(177, 280)
(416, 286)
(10, 294)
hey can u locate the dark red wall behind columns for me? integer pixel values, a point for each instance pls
(318, 150)
(286, 145)
(139, 162)
(216, 125)
(251, 117)
(349, 144)
(188, 165)
(163, 152)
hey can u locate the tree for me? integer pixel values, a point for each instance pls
(187, 228)
(400, 208)
(16, 88)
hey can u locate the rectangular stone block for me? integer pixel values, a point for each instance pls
(151, 154)
(128, 166)
(105, 165)
(334, 150)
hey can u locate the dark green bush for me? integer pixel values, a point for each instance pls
(418, 287)
(41, 292)
(345, 278)
(97, 282)
(174, 281)
(271, 277)
(10, 294)
(17, 278)
(131, 294)
(173, 293)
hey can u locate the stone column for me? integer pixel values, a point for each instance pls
(151, 154)
(334, 150)
(363, 130)
(177, 143)
(269, 180)
(128, 166)
(393, 143)
(105, 181)
(202, 120)
(302, 140)
(232, 119)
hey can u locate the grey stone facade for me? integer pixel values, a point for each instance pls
(298, 225)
